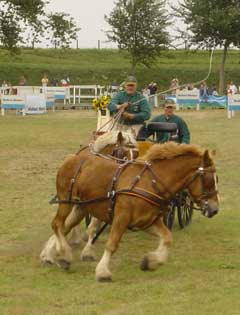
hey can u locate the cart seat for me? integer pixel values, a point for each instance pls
(161, 127)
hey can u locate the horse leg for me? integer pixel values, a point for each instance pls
(119, 226)
(88, 253)
(152, 260)
(75, 237)
(49, 252)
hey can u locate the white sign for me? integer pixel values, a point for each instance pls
(233, 104)
(188, 95)
(35, 104)
(60, 93)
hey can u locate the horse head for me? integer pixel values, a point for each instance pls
(119, 144)
(203, 186)
(125, 147)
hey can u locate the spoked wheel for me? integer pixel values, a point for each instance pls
(184, 209)
(169, 217)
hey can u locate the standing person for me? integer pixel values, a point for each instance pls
(174, 86)
(204, 92)
(183, 134)
(152, 94)
(45, 81)
(233, 88)
(135, 105)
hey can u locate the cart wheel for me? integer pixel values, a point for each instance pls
(184, 210)
(169, 217)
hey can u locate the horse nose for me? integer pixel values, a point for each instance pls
(212, 214)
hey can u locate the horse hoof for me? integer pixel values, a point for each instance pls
(63, 264)
(145, 264)
(88, 258)
(47, 263)
(104, 279)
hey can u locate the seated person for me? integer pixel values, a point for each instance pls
(134, 115)
(168, 116)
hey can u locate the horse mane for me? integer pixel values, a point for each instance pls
(171, 150)
(110, 138)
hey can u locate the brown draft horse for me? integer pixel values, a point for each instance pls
(166, 169)
(116, 144)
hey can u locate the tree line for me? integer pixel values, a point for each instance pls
(140, 27)
(26, 21)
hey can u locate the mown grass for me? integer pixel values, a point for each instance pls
(202, 276)
(91, 66)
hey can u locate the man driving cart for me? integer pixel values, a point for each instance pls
(135, 105)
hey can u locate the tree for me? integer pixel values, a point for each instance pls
(139, 27)
(62, 29)
(212, 23)
(13, 15)
(18, 17)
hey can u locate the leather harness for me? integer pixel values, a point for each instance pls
(153, 198)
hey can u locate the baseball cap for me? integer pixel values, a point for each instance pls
(169, 103)
(131, 79)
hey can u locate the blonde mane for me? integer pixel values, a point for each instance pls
(171, 150)
(111, 138)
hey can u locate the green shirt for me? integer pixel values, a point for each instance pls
(141, 110)
(183, 131)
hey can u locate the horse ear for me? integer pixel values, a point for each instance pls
(207, 161)
(120, 138)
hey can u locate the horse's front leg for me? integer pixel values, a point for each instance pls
(119, 226)
(57, 246)
(152, 260)
(88, 252)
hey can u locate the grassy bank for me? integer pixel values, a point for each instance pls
(202, 276)
(90, 66)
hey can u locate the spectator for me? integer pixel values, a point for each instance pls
(22, 81)
(4, 84)
(65, 81)
(232, 88)
(214, 91)
(54, 82)
(174, 86)
(45, 80)
(152, 87)
(204, 92)
(146, 92)
(190, 87)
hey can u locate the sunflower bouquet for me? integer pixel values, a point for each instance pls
(101, 103)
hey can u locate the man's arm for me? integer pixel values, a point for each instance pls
(115, 101)
(145, 112)
(184, 132)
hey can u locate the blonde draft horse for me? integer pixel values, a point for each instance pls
(116, 144)
(164, 171)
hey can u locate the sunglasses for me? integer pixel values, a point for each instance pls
(131, 85)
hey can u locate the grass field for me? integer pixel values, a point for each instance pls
(203, 273)
(91, 66)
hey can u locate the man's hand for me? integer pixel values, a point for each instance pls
(123, 106)
(128, 116)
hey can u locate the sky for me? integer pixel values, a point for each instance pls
(89, 15)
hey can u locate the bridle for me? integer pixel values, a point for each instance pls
(121, 151)
(203, 199)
